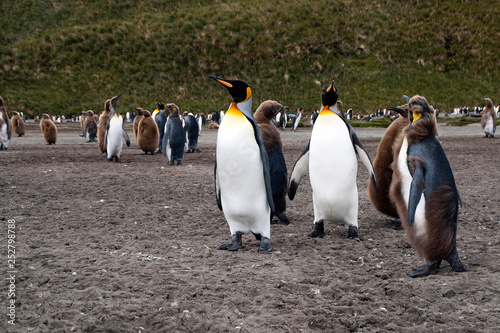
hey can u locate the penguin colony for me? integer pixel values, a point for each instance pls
(410, 179)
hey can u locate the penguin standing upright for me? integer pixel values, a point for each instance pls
(424, 191)
(296, 120)
(147, 133)
(83, 119)
(489, 121)
(5, 127)
(90, 126)
(115, 133)
(330, 158)
(192, 132)
(137, 119)
(242, 180)
(174, 137)
(274, 148)
(49, 129)
(101, 128)
(382, 165)
(17, 123)
(160, 118)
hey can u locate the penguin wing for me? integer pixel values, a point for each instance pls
(105, 146)
(217, 187)
(363, 155)
(300, 168)
(265, 161)
(417, 187)
(125, 137)
(166, 136)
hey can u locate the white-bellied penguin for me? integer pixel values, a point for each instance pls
(489, 121)
(242, 180)
(424, 191)
(271, 137)
(296, 120)
(330, 158)
(160, 118)
(17, 123)
(115, 133)
(174, 138)
(5, 127)
(192, 126)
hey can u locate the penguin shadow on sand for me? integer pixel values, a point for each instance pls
(115, 134)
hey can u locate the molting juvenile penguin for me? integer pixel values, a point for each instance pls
(489, 120)
(382, 165)
(101, 129)
(83, 118)
(147, 133)
(331, 160)
(115, 134)
(191, 125)
(17, 123)
(160, 118)
(49, 129)
(137, 119)
(5, 129)
(296, 121)
(90, 126)
(274, 148)
(242, 180)
(174, 137)
(424, 191)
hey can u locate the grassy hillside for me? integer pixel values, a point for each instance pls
(66, 56)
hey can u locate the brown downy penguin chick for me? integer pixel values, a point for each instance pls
(274, 148)
(424, 191)
(489, 119)
(5, 127)
(101, 129)
(83, 119)
(49, 129)
(17, 123)
(382, 165)
(147, 133)
(137, 119)
(90, 126)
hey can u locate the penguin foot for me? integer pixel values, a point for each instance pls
(179, 162)
(424, 270)
(257, 236)
(352, 233)
(235, 244)
(319, 230)
(171, 163)
(283, 218)
(456, 263)
(265, 245)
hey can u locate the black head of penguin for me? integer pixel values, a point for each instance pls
(114, 101)
(329, 94)
(174, 110)
(239, 90)
(161, 106)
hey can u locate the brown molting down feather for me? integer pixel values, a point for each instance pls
(91, 126)
(424, 128)
(137, 119)
(17, 123)
(147, 133)
(213, 125)
(174, 109)
(49, 129)
(263, 115)
(101, 129)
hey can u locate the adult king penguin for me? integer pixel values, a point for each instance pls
(160, 118)
(489, 121)
(424, 191)
(174, 138)
(115, 134)
(242, 180)
(274, 148)
(192, 132)
(5, 127)
(330, 158)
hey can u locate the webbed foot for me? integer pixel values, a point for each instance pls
(235, 244)
(424, 270)
(319, 230)
(265, 245)
(352, 233)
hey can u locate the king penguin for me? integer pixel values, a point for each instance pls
(174, 138)
(17, 123)
(160, 118)
(330, 158)
(242, 180)
(296, 120)
(137, 119)
(49, 129)
(101, 128)
(147, 133)
(115, 133)
(271, 137)
(192, 132)
(5, 127)
(424, 191)
(489, 121)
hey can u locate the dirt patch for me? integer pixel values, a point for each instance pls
(132, 247)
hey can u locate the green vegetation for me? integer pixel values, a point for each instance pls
(66, 56)
(376, 122)
(462, 121)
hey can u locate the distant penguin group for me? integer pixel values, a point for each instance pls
(49, 129)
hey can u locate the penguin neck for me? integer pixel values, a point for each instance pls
(332, 108)
(243, 107)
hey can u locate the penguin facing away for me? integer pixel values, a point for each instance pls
(17, 123)
(115, 133)
(5, 127)
(296, 120)
(330, 158)
(271, 137)
(424, 191)
(49, 129)
(147, 133)
(174, 137)
(242, 180)
(192, 133)
(90, 126)
(488, 120)
(101, 128)
(137, 119)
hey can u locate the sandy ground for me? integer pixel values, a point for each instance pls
(132, 247)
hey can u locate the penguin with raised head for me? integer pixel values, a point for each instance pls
(5, 127)
(296, 120)
(382, 165)
(101, 128)
(160, 118)
(174, 138)
(424, 191)
(137, 119)
(271, 137)
(115, 133)
(330, 158)
(90, 126)
(147, 133)
(489, 119)
(191, 125)
(49, 129)
(17, 123)
(242, 179)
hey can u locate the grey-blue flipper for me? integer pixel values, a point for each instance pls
(125, 137)
(217, 187)
(164, 142)
(417, 188)
(300, 168)
(265, 161)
